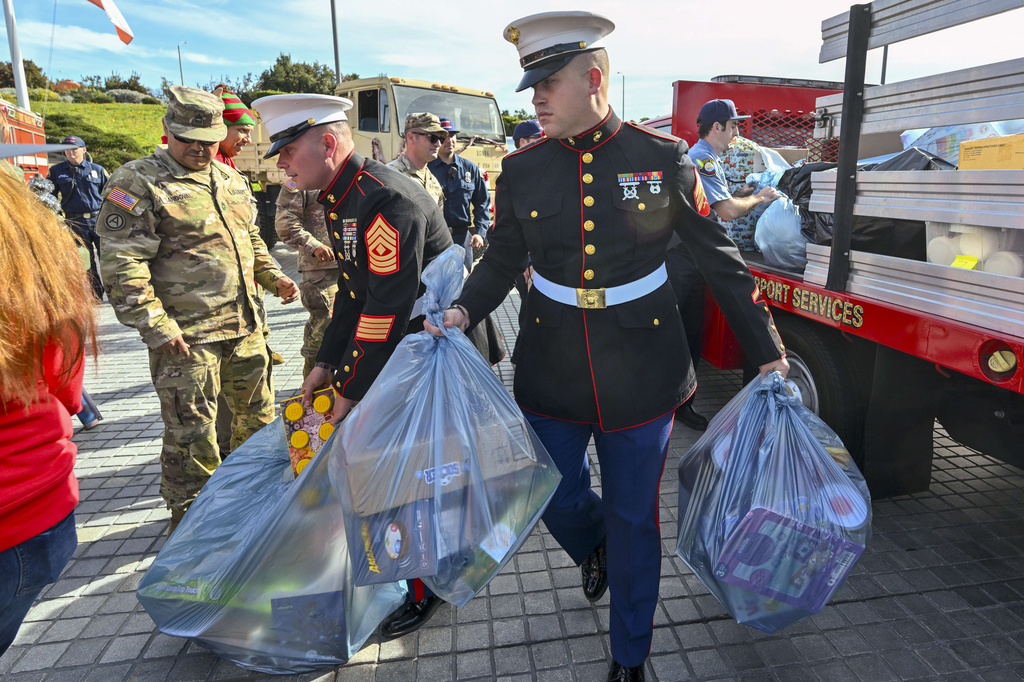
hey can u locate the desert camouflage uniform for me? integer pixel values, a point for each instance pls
(182, 255)
(300, 225)
(423, 176)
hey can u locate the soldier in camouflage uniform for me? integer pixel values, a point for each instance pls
(300, 224)
(423, 138)
(181, 257)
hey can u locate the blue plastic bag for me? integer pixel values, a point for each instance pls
(778, 236)
(258, 569)
(438, 472)
(773, 513)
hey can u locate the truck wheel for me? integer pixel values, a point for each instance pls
(831, 380)
(266, 210)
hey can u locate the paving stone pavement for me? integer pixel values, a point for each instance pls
(938, 595)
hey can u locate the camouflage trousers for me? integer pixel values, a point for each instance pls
(316, 291)
(188, 389)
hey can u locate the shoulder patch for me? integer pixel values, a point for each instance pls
(706, 167)
(123, 199)
(114, 221)
(382, 247)
(700, 200)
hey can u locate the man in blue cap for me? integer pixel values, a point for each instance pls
(527, 132)
(466, 201)
(718, 124)
(78, 184)
(602, 355)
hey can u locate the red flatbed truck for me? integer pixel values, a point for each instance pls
(880, 346)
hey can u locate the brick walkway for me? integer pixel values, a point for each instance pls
(939, 594)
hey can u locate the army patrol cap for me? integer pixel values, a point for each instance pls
(195, 114)
(287, 117)
(550, 40)
(428, 123)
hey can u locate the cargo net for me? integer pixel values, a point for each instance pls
(788, 129)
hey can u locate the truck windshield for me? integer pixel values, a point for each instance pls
(472, 115)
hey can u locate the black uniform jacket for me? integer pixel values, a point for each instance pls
(384, 230)
(598, 210)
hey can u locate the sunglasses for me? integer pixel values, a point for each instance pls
(434, 139)
(185, 140)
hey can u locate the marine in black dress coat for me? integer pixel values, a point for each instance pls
(598, 210)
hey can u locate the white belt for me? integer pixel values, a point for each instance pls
(600, 298)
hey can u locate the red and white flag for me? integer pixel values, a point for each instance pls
(124, 32)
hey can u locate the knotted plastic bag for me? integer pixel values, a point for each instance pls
(439, 474)
(258, 570)
(773, 513)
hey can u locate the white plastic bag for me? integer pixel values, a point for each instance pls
(777, 235)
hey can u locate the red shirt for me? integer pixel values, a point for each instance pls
(38, 487)
(224, 159)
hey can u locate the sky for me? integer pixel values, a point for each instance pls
(654, 42)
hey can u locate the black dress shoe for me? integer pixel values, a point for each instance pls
(686, 414)
(621, 673)
(410, 617)
(594, 571)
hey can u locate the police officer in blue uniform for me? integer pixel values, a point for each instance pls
(78, 184)
(602, 352)
(467, 205)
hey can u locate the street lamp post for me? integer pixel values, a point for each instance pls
(622, 114)
(181, 72)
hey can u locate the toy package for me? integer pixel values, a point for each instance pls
(438, 472)
(773, 513)
(307, 429)
(258, 571)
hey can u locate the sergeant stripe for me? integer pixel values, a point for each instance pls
(374, 327)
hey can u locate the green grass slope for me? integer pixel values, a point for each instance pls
(113, 133)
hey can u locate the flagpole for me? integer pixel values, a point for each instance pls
(337, 60)
(17, 66)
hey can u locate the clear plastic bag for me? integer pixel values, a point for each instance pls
(773, 513)
(437, 470)
(258, 570)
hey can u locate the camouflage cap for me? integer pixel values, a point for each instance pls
(426, 122)
(195, 114)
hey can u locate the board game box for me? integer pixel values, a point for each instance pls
(307, 429)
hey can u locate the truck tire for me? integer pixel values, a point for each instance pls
(266, 211)
(831, 377)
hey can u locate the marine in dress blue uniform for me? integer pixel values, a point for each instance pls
(602, 352)
(79, 187)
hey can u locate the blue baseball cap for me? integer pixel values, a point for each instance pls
(77, 141)
(448, 126)
(718, 111)
(527, 129)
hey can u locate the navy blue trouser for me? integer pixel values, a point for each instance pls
(27, 568)
(632, 461)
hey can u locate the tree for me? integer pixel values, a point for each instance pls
(514, 119)
(289, 76)
(115, 82)
(34, 77)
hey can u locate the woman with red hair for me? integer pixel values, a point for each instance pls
(47, 318)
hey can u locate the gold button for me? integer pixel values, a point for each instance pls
(588, 201)
(538, 320)
(590, 249)
(656, 322)
(533, 214)
(641, 207)
(347, 368)
(330, 198)
(588, 274)
(355, 354)
(588, 178)
(782, 347)
(352, 294)
(338, 384)
(588, 157)
(589, 225)
(334, 216)
(337, 236)
(345, 275)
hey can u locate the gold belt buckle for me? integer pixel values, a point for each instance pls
(591, 299)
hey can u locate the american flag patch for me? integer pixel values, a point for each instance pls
(122, 199)
(374, 327)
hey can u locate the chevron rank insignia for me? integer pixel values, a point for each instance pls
(374, 327)
(700, 200)
(382, 247)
